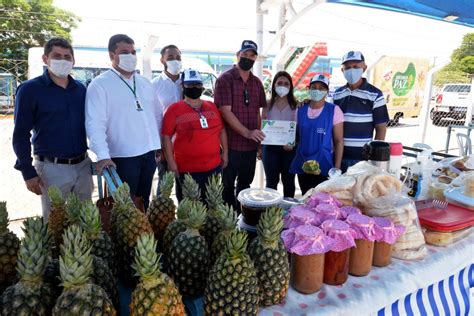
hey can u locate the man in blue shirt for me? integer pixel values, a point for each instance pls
(364, 109)
(52, 106)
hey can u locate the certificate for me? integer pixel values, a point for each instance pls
(279, 132)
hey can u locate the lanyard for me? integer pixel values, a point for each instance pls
(137, 103)
(202, 118)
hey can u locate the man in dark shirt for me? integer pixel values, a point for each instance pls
(52, 106)
(239, 96)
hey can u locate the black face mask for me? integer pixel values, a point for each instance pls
(192, 93)
(246, 63)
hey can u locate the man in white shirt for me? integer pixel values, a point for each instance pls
(168, 89)
(123, 119)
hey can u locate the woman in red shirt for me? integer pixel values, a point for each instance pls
(194, 137)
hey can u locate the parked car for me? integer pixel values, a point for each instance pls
(452, 102)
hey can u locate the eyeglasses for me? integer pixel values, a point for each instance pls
(246, 97)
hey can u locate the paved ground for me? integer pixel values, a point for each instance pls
(21, 203)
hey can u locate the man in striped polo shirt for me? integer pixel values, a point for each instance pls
(364, 109)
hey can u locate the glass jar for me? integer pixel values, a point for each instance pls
(382, 254)
(360, 262)
(307, 272)
(336, 267)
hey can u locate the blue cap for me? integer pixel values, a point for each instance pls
(248, 45)
(353, 55)
(191, 76)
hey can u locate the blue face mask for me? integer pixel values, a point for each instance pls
(353, 75)
(317, 95)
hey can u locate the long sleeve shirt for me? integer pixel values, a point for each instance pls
(115, 127)
(55, 116)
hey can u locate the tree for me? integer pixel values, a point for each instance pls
(29, 23)
(461, 66)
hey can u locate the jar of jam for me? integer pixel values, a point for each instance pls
(382, 254)
(387, 235)
(361, 256)
(254, 202)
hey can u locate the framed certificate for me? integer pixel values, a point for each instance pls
(279, 132)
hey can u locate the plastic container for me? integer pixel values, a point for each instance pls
(307, 272)
(250, 230)
(382, 254)
(457, 196)
(360, 261)
(451, 219)
(444, 239)
(255, 201)
(395, 163)
(336, 267)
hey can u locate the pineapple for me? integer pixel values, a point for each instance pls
(128, 223)
(57, 218)
(270, 258)
(214, 201)
(228, 223)
(102, 245)
(156, 293)
(189, 255)
(9, 246)
(51, 276)
(80, 296)
(178, 226)
(73, 209)
(103, 277)
(191, 188)
(30, 296)
(161, 211)
(232, 286)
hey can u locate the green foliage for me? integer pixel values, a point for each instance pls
(29, 23)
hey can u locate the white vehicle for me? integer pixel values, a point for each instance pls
(452, 102)
(91, 62)
(7, 92)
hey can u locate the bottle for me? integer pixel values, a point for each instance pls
(395, 164)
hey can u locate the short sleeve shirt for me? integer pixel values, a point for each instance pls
(232, 91)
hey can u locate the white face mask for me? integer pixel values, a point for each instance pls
(173, 66)
(353, 75)
(282, 91)
(127, 62)
(60, 67)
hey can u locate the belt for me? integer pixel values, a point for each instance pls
(62, 161)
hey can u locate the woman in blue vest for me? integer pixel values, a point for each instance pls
(320, 135)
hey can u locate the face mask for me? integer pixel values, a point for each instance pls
(353, 75)
(246, 63)
(127, 62)
(192, 93)
(60, 68)
(282, 91)
(173, 66)
(317, 95)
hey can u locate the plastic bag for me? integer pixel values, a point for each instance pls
(401, 210)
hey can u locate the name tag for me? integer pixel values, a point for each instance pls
(203, 122)
(138, 106)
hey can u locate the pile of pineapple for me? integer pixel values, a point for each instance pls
(69, 266)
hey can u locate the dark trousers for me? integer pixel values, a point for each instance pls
(241, 167)
(200, 177)
(138, 173)
(276, 162)
(309, 181)
(162, 167)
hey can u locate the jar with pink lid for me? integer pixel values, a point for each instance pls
(361, 256)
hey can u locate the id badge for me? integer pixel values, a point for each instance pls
(138, 106)
(203, 122)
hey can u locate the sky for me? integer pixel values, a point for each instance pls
(221, 25)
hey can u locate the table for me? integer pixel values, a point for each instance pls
(440, 284)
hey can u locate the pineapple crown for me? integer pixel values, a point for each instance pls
(191, 188)
(166, 184)
(75, 263)
(73, 208)
(56, 197)
(236, 246)
(183, 209)
(269, 227)
(228, 217)
(3, 217)
(89, 220)
(214, 189)
(33, 254)
(147, 261)
(197, 215)
(122, 200)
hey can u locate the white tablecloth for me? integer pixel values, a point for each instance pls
(384, 286)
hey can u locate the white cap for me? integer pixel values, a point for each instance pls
(320, 78)
(191, 76)
(353, 55)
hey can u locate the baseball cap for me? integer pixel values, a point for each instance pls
(320, 78)
(353, 55)
(248, 45)
(191, 76)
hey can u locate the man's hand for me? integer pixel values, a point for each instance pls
(158, 156)
(256, 135)
(288, 147)
(172, 167)
(224, 160)
(101, 164)
(34, 185)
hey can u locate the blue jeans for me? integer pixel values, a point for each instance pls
(200, 177)
(346, 163)
(138, 173)
(276, 162)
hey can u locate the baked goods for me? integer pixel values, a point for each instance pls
(469, 184)
(443, 239)
(339, 187)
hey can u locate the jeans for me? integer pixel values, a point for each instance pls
(309, 181)
(241, 167)
(276, 162)
(138, 173)
(346, 163)
(200, 177)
